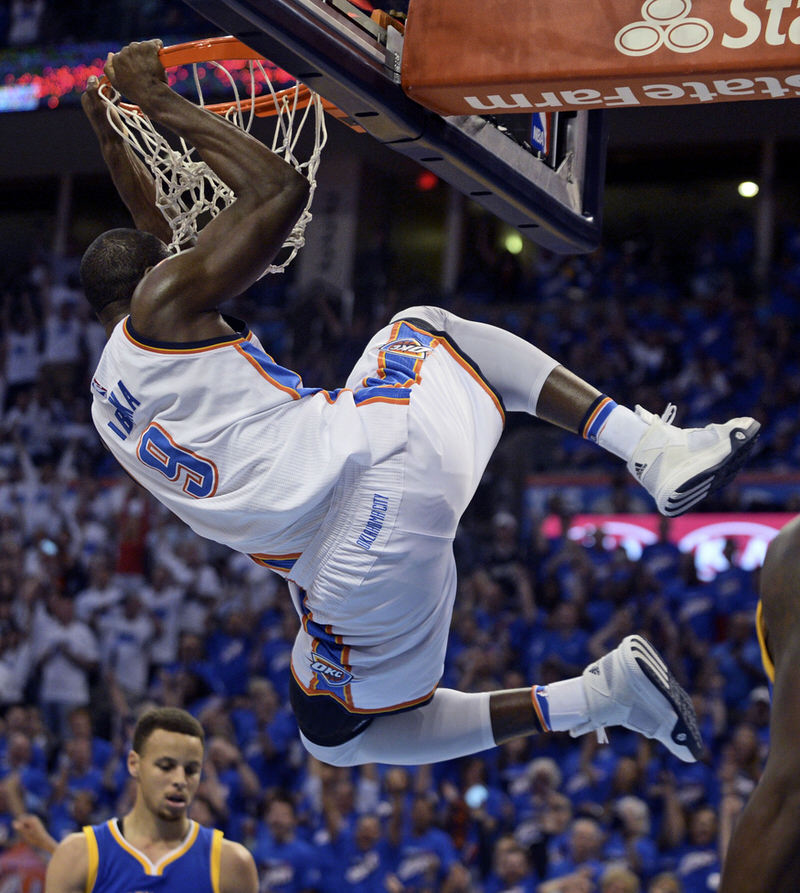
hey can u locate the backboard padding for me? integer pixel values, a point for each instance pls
(573, 54)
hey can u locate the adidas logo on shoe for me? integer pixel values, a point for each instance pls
(680, 466)
(633, 687)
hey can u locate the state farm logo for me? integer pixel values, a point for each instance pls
(664, 23)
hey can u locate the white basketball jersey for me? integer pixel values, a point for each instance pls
(353, 496)
(228, 440)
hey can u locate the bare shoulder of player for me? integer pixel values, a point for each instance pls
(69, 865)
(237, 869)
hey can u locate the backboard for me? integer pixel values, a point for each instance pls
(543, 175)
(570, 54)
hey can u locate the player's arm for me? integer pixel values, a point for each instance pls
(69, 866)
(772, 810)
(132, 179)
(237, 869)
(32, 830)
(235, 248)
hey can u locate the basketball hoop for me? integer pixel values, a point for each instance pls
(186, 187)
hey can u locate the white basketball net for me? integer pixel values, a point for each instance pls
(187, 188)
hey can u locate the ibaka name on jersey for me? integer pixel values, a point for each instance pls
(329, 671)
(124, 404)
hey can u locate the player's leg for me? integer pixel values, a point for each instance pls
(678, 467)
(772, 810)
(631, 687)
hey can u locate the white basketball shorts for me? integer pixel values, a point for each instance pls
(375, 589)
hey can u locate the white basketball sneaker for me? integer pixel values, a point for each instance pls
(632, 687)
(680, 466)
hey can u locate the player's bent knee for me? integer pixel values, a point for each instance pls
(435, 317)
(346, 754)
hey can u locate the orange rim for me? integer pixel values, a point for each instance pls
(262, 107)
(214, 49)
(223, 49)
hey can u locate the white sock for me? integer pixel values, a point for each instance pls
(566, 702)
(622, 432)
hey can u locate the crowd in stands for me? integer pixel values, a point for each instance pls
(34, 23)
(108, 603)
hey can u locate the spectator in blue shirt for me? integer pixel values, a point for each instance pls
(733, 587)
(357, 860)
(531, 800)
(226, 765)
(632, 844)
(286, 864)
(556, 825)
(742, 762)
(73, 814)
(564, 643)
(266, 731)
(512, 870)
(32, 782)
(757, 713)
(274, 657)
(692, 602)
(484, 811)
(78, 774)
(698, 864)
(585, 855)
(79, 725)
(331, 811)
(229, 650)
(662, 558)
(739, 660)
(588, 772)
(422, 857)
(192, 682)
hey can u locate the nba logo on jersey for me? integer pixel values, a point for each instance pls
(408, 346)
(329, 671)
(96, 386)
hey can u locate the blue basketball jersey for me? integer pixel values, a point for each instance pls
(117, 867)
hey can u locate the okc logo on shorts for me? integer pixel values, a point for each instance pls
(329, 671)
(407, 346)
(664, 23)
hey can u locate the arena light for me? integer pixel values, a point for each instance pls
(426, 181)
(748, 189)
(513, 243)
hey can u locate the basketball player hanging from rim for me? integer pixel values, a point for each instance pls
(353, 496)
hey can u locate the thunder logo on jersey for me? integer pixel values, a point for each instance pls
(331, 672)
